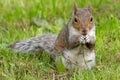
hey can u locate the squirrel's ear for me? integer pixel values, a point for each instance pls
(75, 8)
(89, 8)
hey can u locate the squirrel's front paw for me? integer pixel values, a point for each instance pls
(84, 39)
(87, 39)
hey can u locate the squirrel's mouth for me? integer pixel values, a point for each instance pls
(84, 32)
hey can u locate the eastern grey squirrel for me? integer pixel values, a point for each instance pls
(75, 42)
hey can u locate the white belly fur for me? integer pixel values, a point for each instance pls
(73, 59)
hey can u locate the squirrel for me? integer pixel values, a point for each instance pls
(75, 42)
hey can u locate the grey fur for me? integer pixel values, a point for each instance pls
(36, 45)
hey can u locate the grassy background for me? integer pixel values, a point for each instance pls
(22, 19)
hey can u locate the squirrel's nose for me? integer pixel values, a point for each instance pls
(84, 32)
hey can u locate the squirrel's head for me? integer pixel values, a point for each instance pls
(82, 19)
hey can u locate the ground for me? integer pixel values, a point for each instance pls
(23, 19)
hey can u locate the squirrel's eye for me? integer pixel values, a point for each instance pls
(91, 19)
(75, 20)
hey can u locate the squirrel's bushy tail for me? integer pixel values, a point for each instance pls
(35, 45)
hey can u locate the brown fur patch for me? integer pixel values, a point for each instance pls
(62, 40)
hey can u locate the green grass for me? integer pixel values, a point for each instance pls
(22, 19)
